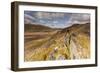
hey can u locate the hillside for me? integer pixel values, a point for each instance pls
(69, 43)
(37, 28)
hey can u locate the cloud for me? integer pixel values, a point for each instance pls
(28, 19)
(48, 15)
(79, 18)
(55, 19)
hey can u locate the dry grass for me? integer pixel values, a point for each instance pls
(42, 48)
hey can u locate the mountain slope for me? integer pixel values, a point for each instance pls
(69, 43)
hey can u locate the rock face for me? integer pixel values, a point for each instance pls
(69, 43)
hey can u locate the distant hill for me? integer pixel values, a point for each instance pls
(37, 28)
(77, 26)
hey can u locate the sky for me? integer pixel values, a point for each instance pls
(55, 19)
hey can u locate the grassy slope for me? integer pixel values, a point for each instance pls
(71, 43)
